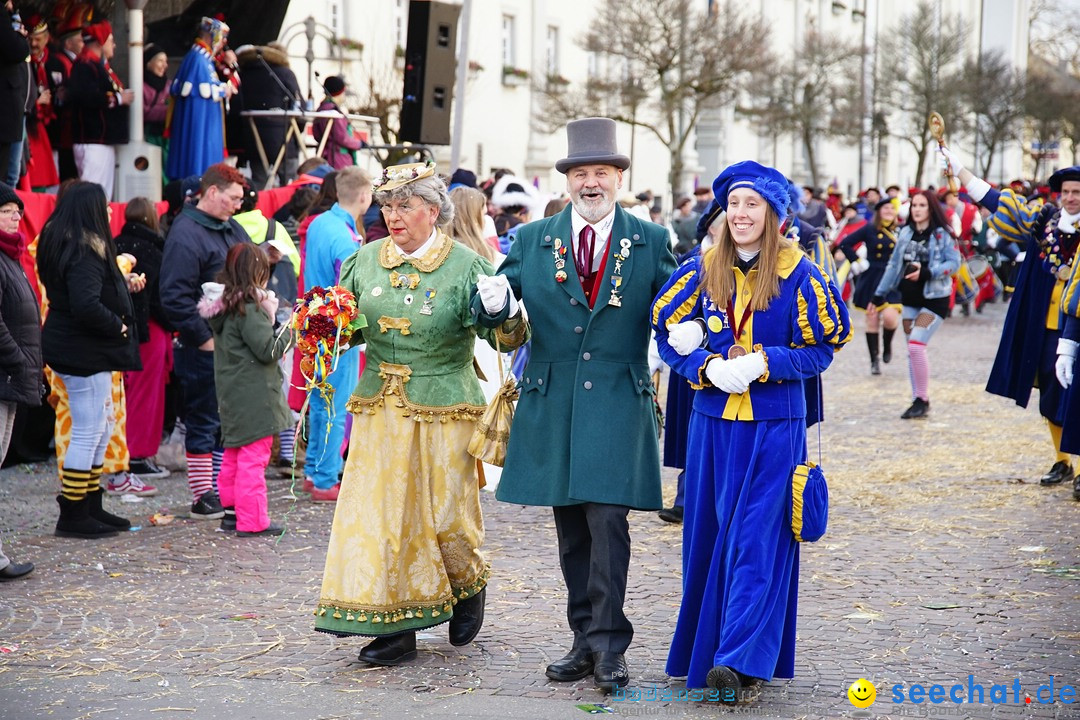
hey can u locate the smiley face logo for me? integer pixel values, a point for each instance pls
(862, 693)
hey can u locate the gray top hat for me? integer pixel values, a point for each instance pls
(591, 141)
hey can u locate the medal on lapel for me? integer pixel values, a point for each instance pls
(429, 296)
(616, 275)
(560, 260)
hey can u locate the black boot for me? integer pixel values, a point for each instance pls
(886, 341)
(872, 346)
(97, 512)
(919, 408)
(75, 520)
(390, 651)
(228, 520)
(467, 619)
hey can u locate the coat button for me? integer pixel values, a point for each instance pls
(526, 381)
(588, 385)
(573, 301)
(539, 381)
(579, 329)
(640, 383)
(586, 356)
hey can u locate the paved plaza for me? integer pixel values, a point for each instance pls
(944, 559)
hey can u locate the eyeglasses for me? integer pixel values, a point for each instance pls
(12, 211)
(401, 210)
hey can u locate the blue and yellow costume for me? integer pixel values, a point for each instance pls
(740, 557)
(1027, 352)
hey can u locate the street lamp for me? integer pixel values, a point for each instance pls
(311, 28)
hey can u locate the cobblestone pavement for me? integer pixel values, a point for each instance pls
(944, 559)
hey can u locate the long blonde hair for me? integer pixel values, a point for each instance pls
(467, 226)
(718, 261)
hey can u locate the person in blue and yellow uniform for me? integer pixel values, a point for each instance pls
(1027, 353)
(870, 248)
(404, 550)
(588, 276)
(748, 321)
(1065, 367)
(196, 123)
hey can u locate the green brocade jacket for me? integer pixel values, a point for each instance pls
(420, 334)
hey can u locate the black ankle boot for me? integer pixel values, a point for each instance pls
(886, 342)
(75, 520)
(228, 520)
(390, 651)
(467, 619)
(97, 512)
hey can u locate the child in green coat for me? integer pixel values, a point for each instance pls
(248, 378)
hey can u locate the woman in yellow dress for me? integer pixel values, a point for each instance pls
(404, 550)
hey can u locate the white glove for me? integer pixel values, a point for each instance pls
(685, 337)
(859, 266)
(1066, 358)
(952, 159)
(748, 368)
(726, 378)
(494, 293)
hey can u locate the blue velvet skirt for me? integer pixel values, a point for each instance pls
(740, 557)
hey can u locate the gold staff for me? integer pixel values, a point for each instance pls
(937, 131)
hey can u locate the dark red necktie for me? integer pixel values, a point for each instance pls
(585, 251)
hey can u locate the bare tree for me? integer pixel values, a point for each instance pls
(926, 76)
(380, 97)
(667, 61)
(815, 97)
(1046, 103)
(994, 90)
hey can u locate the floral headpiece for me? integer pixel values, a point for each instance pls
(397, 175)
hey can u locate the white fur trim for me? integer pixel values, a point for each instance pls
(205, 90)
(185, 89)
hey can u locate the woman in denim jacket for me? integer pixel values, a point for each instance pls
(922, 265)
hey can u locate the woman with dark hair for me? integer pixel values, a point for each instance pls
(870, 248)
(89, 333)
(145, 389)
(921, 266)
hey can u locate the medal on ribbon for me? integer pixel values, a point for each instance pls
(429, 297)
(559, 254)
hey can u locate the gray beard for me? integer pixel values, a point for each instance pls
(593, 213)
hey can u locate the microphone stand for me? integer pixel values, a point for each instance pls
(288, 98)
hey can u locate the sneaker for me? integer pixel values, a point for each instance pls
(228, 521)
(208, 507)
(128, 483)
(272, 529)
(330, 494)
(919, 408)
(147, 468)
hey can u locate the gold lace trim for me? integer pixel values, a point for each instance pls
(513, 333)
(390, 257)
(394, 378)
(352, 612)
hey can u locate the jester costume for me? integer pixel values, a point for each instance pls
(197, 120)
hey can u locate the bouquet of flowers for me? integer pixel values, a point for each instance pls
(322, 322)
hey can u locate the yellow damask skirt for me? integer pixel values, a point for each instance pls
(405, 543)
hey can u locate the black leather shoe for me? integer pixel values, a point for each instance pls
(673, 514)
(577, 664)
(610, 670)
(16, 570)
(875, 367)
(1059, 473)
(390, 651)
(920, 408)
(1076, 488)
(467, 619)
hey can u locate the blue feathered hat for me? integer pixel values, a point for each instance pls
(767, 182)
(795, 203)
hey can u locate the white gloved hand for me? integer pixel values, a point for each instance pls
(748, 368)
(859, 267)
(495, 293)
(1066, 359)
(953, 160)
(685, 337)
(724, 377)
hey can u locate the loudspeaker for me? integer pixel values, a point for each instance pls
(430, 71)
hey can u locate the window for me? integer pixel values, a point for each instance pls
(508, 41)
(552, 51)
(592, 64)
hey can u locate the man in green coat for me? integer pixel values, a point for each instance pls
(585, 438)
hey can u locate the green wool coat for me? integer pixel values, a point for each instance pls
(585, 426)
(248, 377)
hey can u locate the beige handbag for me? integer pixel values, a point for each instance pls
(492, 432)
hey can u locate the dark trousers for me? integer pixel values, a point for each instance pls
(594, 552)
(195, 370)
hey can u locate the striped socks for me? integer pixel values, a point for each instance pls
(287, 438)
(200, 468)
(73, 484)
